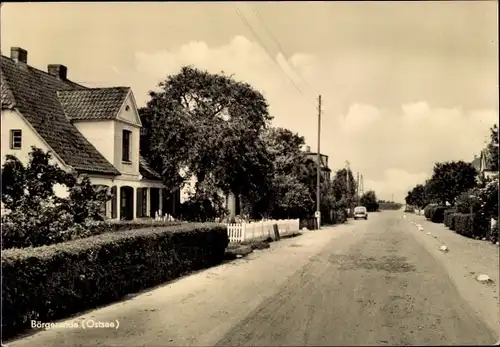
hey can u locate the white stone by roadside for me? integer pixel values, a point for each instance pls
(465, 260)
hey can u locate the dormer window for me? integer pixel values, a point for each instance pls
(126, 142)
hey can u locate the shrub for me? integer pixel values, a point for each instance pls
(52, 282)
(427, 211)
(36, 215)
(389, 205)
(124, 225)
(452, 221)
(464, 223)
(437, 214)
(447, 217)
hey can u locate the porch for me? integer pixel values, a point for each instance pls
(136, 201)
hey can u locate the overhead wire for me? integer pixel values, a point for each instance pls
(254, 33)
(279, 46)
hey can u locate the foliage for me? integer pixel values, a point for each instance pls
(448, 217)
(449, 180)
(437, 214)
(36, 215)
(389, 205)
(52, 282)
(369, 200)
(464, 224)
(492, 148)
(288, 194)
(345, 198)
(209, 125)
(416, 197)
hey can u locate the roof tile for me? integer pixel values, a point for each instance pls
(91, 104)
(35, 95)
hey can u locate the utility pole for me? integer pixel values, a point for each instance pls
(362, 186)
(318, 167)
(392, 200)
(348, 187)
(357, 188)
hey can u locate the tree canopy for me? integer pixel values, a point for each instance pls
(449, 180)
(344, 198)
(416, 197)
(492, 148)
(369, 200)
(208, 125)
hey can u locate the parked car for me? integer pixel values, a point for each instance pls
(360, 212)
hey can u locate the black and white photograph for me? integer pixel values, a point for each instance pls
(288, 173)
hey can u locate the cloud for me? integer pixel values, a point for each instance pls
(369, 117)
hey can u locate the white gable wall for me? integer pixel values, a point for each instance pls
(11, 120)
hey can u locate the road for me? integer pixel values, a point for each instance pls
(364, 283)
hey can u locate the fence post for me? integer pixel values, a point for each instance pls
(243, 231)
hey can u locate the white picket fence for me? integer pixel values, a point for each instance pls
(240, 232)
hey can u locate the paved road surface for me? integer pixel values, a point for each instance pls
(365, 283)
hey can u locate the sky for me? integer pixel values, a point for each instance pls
(404, 84)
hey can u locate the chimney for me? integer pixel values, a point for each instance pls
(58, 70)
(308, 149)
(19, 55)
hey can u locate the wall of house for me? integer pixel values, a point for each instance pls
(99, 134)
(11, 120)
(128, 119)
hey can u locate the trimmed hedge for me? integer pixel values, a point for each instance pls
(452, 221)
(464, 224)
(437, 214)
(427, 211)
(448, 215)
(112, 226)
(52, 282)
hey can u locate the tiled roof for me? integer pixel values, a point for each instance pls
(95, 103)
(146, 170)
(35, 95)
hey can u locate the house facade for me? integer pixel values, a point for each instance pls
(325, 170)
(482, 164)
(89, 131)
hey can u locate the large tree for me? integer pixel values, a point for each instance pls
(208, 125)
(449, 180)
(288, 193)
(416, 197)
(344, 194)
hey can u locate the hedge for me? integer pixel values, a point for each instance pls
(437, 214)
(448, 215)
(464, 223)
(112, 226)
(52, 282)
(427, 211)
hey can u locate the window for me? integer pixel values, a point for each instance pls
(16, 139)
(127, 134)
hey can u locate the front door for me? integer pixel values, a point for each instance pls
(127, 203)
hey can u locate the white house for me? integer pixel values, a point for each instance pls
(483, 165)
(91, 131)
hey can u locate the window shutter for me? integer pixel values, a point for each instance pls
(114, 203)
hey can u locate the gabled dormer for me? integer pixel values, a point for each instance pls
(109, 119)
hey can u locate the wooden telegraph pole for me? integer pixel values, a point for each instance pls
(318, 167)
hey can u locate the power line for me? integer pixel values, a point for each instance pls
(280, 48)
(249, 26)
